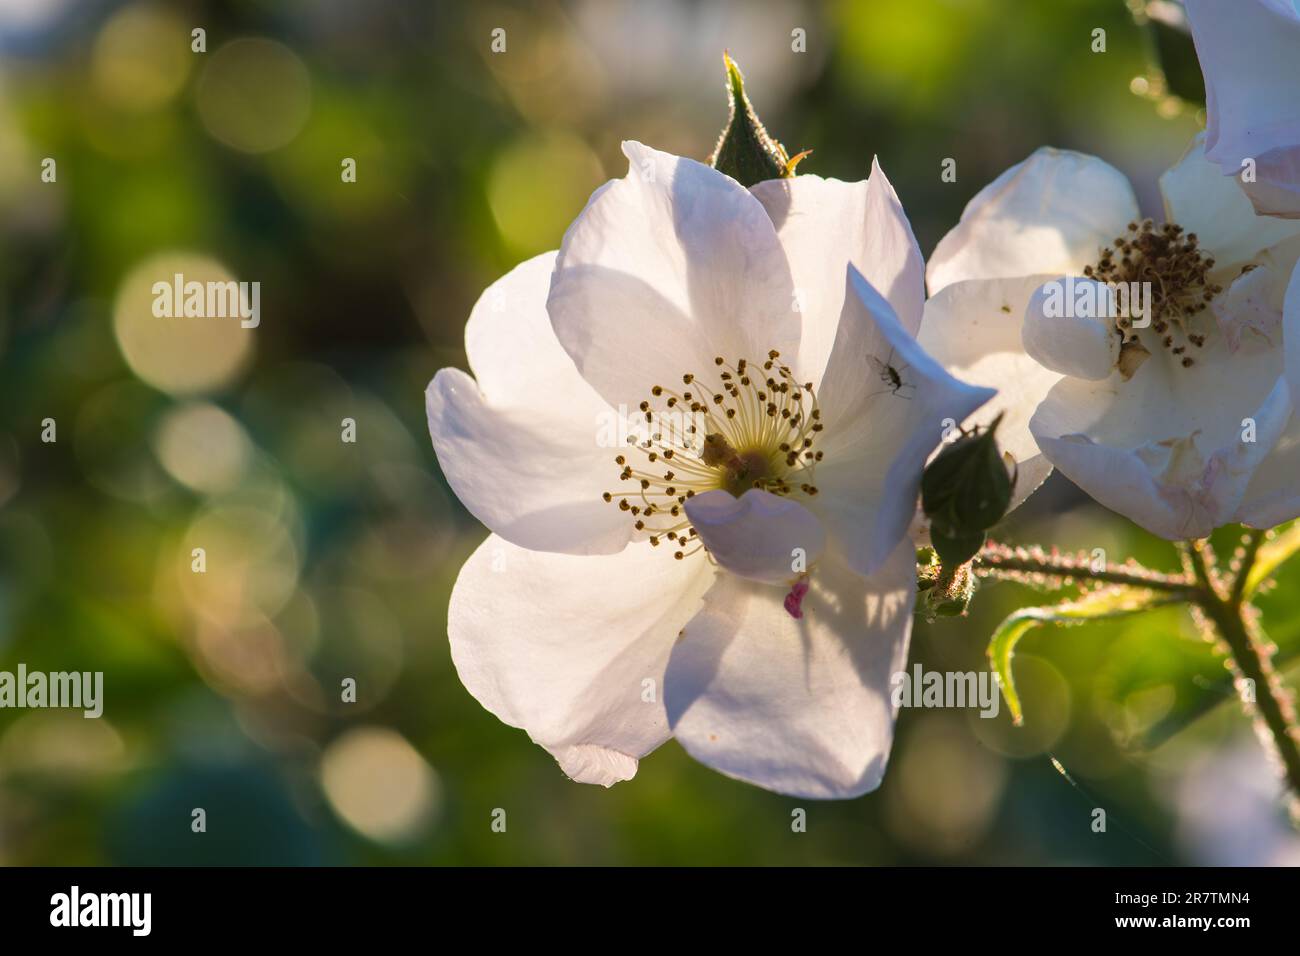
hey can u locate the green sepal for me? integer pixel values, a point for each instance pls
(965, 491)
(745, 151)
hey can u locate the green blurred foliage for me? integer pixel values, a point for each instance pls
(336, 560)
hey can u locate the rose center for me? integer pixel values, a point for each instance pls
(1169, 264)
(748, 425)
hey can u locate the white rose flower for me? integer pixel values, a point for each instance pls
(1181, 426)
(745, 586)
(1248, 51)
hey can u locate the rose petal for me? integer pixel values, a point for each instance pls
(759, 536)
(519, 446)
(824, 225)
(1248, 52)
(665, 269)
(1165, 450)
(573, 649)
(973, 329)
(1050, 214)
(1066, 329)
(1201, 199)
(879, 433)
(802, 707)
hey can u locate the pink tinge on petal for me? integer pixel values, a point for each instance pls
(1198, 496)
(1247, 307)
(794, 600)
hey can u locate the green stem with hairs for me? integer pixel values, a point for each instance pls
(1223, 609)
(1250, 656)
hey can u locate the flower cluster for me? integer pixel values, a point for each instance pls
(741, 575)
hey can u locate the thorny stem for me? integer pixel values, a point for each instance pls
(1228, 618)
(998, 561)
(1250, 657)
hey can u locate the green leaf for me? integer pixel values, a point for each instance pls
(1094, 606)
(745, 151)
(1273, 553)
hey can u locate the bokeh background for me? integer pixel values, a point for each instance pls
(329, 560)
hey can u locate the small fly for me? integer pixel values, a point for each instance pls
(891, 375)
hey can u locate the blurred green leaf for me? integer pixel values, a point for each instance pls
(1096, 605)
(1272, 555)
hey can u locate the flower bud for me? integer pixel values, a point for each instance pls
(965, 490)
(745, 151)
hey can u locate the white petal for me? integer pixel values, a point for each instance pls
(1250, 306)
(573, 649)
(1050, 214)
(1273, 495)
(1275, 189)
(1201, 199)
(519, 446)
(879, 433)
(759, 535)
(665, 269)
(802, 707)
(973, 329)
(1166, 450)
(826, 224)
(1291, 331)
(590, 763)
(1248, 52)
(1072, 340)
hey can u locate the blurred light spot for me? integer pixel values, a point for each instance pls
(1045, 697)
(538, 185)
(247, 660)
(183, 355)
(344, 123)
(251, 565)
(202, 447)
(1145, 708)
(632, 40)
(943, 790)
(254, 95)
(895, 51)
(62, 742)
(553, 77)
(380, 785)
(30, 207)
(141, 58)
